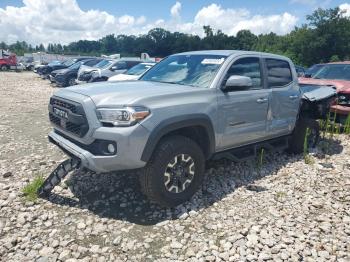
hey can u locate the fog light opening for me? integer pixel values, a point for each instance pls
(111, 148)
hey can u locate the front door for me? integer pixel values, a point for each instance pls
(244, 112)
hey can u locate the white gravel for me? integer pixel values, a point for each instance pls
(285, 211)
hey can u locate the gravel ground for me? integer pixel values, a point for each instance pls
(285, 210)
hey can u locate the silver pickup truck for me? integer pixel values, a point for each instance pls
(187, 109)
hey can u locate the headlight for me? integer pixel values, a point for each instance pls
(126, 116)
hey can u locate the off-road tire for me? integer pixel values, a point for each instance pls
(296, 143)
(152, 176)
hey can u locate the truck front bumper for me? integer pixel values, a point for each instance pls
(130, 145)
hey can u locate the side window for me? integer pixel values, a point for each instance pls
(250, 67)
(278, 73)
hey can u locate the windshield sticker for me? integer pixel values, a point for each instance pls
(209, 61)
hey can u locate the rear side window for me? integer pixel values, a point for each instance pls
(278, 73)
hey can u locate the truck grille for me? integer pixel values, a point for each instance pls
(61, 103)
(73, 120)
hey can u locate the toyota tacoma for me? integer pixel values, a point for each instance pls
(187, 109)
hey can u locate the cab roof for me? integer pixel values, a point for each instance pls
(340, 63)
(231, 52)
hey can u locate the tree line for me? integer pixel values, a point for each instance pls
(324, 37)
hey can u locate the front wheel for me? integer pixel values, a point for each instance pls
(174, 172)
(71, 81)
(4, 68)
(306, 135)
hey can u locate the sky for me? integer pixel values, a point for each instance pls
(64, 21)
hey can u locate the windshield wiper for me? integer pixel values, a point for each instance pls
(165, 82)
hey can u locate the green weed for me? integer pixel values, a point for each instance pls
(30, 190)
(261, 158)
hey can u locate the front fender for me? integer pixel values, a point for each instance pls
(176, 123)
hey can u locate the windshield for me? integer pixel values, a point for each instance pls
(314, 69)
(108, 64)
(192, 70)
(54, 63)
(76, 65)
(138, 69)
(103, 63)
(335, 71)
(69, 62)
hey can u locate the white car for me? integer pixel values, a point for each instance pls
(133, 73)
(85, 72)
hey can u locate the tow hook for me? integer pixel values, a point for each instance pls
(56, 176)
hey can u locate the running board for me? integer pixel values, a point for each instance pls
(56, 176)
(244, 153)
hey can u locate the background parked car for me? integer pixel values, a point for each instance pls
(117, 67)
(46, 70)
(84, 73)
(311, 71)
(337, 75)
(133, 73)
(66, 77)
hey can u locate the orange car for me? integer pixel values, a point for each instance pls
(338, 75)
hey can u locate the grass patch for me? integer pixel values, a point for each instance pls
(309, 160)
(30, 190)
(347, 126)
(260, 160)
(280, 196)
(307, 157)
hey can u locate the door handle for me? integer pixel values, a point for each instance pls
(293, 97)
(261, 100)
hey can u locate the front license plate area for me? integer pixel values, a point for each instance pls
(60, 113)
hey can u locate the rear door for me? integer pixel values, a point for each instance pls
(285, 96)
(243, 113)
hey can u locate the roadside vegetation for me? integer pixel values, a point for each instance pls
(30, 190)
(306, 45)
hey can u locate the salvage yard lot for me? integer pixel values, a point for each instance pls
(283, 210)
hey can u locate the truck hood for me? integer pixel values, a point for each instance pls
(127, 92)
(341, 85)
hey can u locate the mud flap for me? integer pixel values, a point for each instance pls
(57, 175)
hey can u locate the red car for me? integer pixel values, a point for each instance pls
(338, 75)
(7, 60)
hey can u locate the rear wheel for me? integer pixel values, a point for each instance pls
(174, 172)
(306, 133)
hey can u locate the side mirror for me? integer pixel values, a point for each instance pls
(236, 82)
(307, 75)
(114, 68)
